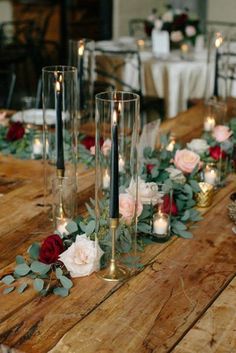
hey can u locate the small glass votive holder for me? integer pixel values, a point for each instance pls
(161, 225)
(37, 145)
(204, 198)
(63, 202)
(162, 213)
(211, 174)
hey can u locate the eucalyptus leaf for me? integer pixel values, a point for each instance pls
(8, 279)
(66, 282)
(82, 226)
(20, 259)
(72, 227)
(38, 284)
(39, 267)
(195, 185)
(144, 228)
(8, 290)
(61, 291)
(22, 269)
(90, 227)
(34, 251)
(22, 287)
(186, 216)
(59, 272)
(90, 211)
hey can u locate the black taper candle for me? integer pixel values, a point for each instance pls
(114, 181)
(59, 128)
(81, 74)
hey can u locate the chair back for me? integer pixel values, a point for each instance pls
(225, 70)
(120, 69)
(7, 85)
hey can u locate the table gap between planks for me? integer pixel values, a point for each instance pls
(183, 301)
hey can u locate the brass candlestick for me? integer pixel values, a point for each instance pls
(115, 272)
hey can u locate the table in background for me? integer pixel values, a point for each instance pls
(176, 78)
(183, 301)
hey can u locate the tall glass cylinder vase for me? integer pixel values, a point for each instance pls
(81, 55)
(116, 190)
(60, 125)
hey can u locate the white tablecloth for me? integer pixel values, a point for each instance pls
(173, 78)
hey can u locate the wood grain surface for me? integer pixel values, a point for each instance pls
(180, 296)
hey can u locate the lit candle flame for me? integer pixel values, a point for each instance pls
(58, 83)
(219, 40)
(114, 118)
(81, 50)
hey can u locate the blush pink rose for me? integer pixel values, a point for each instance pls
(127, 207)
(221, 133)
(190, 31)
(92, 150)
(106, 147)
(186, 160)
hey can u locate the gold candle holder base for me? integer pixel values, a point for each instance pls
(204, 198)
(114, 273)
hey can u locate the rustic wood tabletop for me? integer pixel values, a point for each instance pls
(182, 301)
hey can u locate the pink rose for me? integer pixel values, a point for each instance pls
(176, 36)
(221, 133)
(92, 150)
(186, 160)
(3, 115)
(190, 31)
(127, 207)
(106, 147)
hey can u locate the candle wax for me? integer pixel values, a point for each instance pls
(210, 176)
(37, 147)
(209, 124)
(160, 225)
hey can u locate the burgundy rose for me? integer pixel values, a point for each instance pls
(89, 141)
(167, 203)
(149, 168)
(216, 152)
(51, 248)
(15, 132)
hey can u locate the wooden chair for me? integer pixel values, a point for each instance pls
(225, 73)
(7, 85)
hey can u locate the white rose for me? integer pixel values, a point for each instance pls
(176, 175)
(168, 16)
(147, 192)
(190, 31)
(83, 257)
(176, 36)
(198, 146)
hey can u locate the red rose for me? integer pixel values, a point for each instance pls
(15, 132)
(51, 248)
(89, 141)
(216, 152)
(167, 202)
(149, 168)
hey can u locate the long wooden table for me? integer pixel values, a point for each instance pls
(182, 301)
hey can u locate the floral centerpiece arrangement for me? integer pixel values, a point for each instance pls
(182, 25)
(85, 246)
